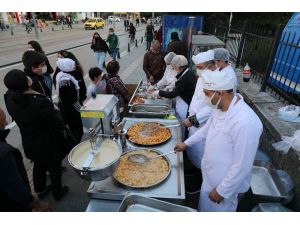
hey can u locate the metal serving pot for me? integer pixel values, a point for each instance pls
(94, 173)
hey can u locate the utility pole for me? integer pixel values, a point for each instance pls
(152, 15)
(35, 25)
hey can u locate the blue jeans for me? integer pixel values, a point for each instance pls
(100, 56)
(114, 53)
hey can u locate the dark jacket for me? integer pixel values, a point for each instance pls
(38, 83)
(79, 77)
(69, 105)
(15, 193)
(100, 46)
(39, 124)
(178, 47)
(184, 87)
(154, 65)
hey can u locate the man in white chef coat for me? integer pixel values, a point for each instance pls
(199, 111)
(221, 56)
(231, 137)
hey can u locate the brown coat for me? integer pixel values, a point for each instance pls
(154, 65)
(178, 47)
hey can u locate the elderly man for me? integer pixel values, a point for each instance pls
(199, 111)
(231, 138)
(154, 64)
(15, 193)
(221, 56)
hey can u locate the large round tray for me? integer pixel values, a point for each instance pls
(139, 141)
(126, 154)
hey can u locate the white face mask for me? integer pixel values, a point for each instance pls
(209, 103)
(44, 69)
(199, 72)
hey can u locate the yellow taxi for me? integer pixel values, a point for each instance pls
(94, 23)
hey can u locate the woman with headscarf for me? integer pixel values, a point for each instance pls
(67, 88)
(40, 129)
(77, 74)
(184, 86)
(167, 82)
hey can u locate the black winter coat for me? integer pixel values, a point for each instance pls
(184, 87)
(100, 46)
(38, 83)
(15, 193)
(39, 124)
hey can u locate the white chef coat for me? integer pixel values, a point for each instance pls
(167, 82)
(199, 107)
(229, 70)
(231, 141)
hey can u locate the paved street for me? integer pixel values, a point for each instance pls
(11, 50)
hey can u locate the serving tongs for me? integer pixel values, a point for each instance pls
(149, 129)
(141, 159)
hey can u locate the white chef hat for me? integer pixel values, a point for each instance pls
(203, 57)
(217, 80)
(221, 54)
(179, 61)
(66, 64)
(169, 57)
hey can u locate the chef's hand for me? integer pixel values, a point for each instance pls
(155, 93)
(150, 88)
(187, 123)
(180, 147)
(214, 196)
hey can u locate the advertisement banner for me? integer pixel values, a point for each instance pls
(185, 26)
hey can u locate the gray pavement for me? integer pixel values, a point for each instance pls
(11, 50)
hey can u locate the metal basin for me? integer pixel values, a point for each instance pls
(149, 111)
(94, 173)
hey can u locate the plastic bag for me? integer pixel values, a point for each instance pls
(290, 113)
(288, 142)
(288, 185)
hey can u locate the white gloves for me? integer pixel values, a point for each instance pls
(150, 88)
(155, 93)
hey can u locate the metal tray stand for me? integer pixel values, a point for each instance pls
(140, 203)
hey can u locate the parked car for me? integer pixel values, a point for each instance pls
(94, 23)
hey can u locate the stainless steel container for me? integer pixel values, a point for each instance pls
(266, 183)
(149, 111)
(140, 203)
(97, 173)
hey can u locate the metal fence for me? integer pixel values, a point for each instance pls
(264, 48)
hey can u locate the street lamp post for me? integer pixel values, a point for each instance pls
(35, 26)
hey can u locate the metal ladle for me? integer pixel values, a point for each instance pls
(150, 130)
(140, 158)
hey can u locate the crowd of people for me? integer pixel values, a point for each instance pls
(220, 131)
(50, 130)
